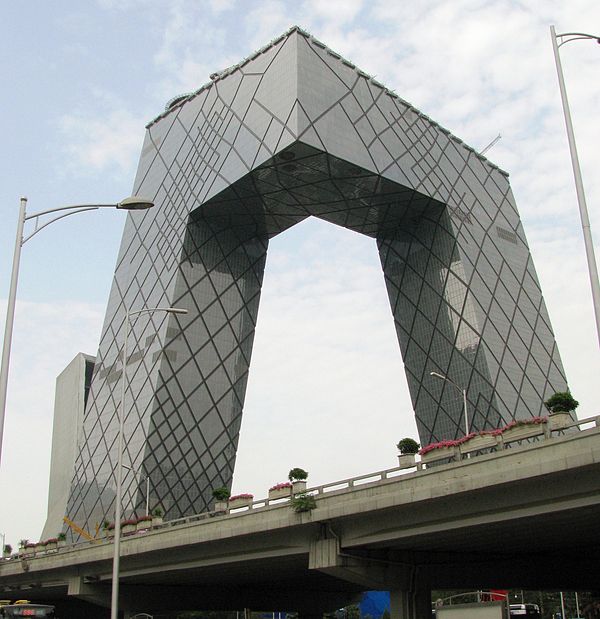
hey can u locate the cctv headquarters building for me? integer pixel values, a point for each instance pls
(295, 131)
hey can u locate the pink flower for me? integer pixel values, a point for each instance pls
(283, 484)
(440, 445)
(241, 496)
(496, 432)
(526, 422)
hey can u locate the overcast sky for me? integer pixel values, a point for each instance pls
(327, 390)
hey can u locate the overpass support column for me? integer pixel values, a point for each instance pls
(410, 604)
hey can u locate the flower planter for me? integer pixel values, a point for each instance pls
(51, 546)
(143, 524)
(406, 461)
(40, 548)
(559, 421)
(439, 453)
(280, 493)
(477, 442)
(518, 433)
(240, 502)
(157, 521)
(299, 486)
(128, 528)
(221, 506)
(27, 550)
(6, 555)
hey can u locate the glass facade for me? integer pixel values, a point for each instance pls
(296, 131)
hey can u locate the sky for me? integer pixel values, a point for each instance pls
(326, 390)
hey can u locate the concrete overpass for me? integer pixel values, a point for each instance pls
(523, 517)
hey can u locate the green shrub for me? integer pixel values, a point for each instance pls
(408, 446)
(561, 402)
(297, 474)
(221, 494)
(303, 503)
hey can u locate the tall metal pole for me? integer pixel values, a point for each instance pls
(114, 603)
(133, 203)
(10, 317)
(583, 213)
(464, 392)
(147, 494)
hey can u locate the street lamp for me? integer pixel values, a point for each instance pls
(557, 41)
(114, 605)
(464, 394)
(133, 203)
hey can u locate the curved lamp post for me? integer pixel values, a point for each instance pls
(464, 395)
(557, 41)
(133, 203)
(114, 604)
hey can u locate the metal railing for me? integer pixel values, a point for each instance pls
(340, 486)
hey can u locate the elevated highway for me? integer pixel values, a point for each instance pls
(522, 517)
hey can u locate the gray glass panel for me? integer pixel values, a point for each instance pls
(289, 133)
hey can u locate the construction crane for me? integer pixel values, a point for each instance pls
(79, 530)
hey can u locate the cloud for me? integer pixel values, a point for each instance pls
(193, 45)
(339, 11)
(109, 140)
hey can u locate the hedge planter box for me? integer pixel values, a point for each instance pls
(280, 493)
(157, 521)
(299, 486)
(481, 441)
(559, 421)
(240, 501)
(221, 506)
(127, 528)
(519, 433)
(440, 453)
(406, 461)
(53, 545)
(143, 524)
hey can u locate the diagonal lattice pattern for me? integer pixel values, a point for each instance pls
(296, 131)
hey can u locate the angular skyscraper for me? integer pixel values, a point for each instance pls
(291, 132)
(72, 389)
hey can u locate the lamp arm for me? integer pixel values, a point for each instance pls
(51, 221)
(69, 208)
(575, 36)
(457, 387)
